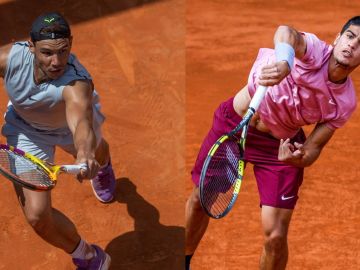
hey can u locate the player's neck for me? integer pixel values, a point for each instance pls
(338, 73)
(39, 75)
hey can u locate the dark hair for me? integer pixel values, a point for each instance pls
(353, 21)
(50, 25)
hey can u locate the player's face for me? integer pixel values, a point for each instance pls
(51, 56)
(347, 47)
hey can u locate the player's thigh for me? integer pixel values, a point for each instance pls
(33, 146)
(278, 184)
(33, 203)
(224, 120)
(275, 221)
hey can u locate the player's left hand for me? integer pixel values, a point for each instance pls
(274, 73)
(290, 153)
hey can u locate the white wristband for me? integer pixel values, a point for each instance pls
(285, 52)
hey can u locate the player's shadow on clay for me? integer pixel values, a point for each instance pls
(151, 245)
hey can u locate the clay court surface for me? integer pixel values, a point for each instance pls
(135, 52)
(222, 40)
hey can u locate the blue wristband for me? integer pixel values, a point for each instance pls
(285, 52)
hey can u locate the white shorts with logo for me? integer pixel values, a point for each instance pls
(42, 143)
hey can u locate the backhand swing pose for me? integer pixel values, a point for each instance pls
(307, 83)
(53, 103)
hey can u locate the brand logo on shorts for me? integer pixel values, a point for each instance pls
(286, 198)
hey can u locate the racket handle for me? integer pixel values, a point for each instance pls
(258, 97)
(74, 169)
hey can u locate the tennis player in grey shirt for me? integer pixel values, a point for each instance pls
(52, 102)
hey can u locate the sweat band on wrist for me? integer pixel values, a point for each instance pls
(285, 52)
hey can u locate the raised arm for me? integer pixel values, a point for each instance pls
(286, 34)
(79, 115)
(289, 44)
(303, 155)
(4, 52)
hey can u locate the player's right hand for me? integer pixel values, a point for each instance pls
(92, 168)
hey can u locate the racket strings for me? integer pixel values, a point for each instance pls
(220, 178)
(21, 169)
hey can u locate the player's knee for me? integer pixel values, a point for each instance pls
(194, 201)
(38, 219)
(275, 243)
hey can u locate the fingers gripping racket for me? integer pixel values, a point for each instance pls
(223, 169)
(32, 172)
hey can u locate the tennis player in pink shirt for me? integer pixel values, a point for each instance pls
(308, 83)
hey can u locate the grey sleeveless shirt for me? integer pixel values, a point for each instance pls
(42, 106)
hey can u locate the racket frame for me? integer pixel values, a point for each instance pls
(50, 169)
(240, 167)
(243, 125)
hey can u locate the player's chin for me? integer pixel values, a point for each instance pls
(55, 74)
(343, 61)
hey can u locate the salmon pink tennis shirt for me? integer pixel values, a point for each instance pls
(305, 96)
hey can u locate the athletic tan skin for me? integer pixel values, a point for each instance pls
(51, 57)
(275, 221)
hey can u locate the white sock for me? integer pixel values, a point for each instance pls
(83, 251)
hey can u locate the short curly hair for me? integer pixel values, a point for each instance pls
(353, 21)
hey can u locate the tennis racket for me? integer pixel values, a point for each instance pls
(223, 169)
(32, 172)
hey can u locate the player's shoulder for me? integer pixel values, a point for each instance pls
(4, 54)
(14, 54)
(18, 47)
(5, 49)
(316, 52)
(76, 69)
(78, 90)
(313, 40)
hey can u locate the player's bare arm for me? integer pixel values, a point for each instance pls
(274, 73)
(303, 155)
(79, 115)
(4, 52)
(292, 37)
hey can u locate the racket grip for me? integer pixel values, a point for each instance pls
(258, 97)
(75, 169)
